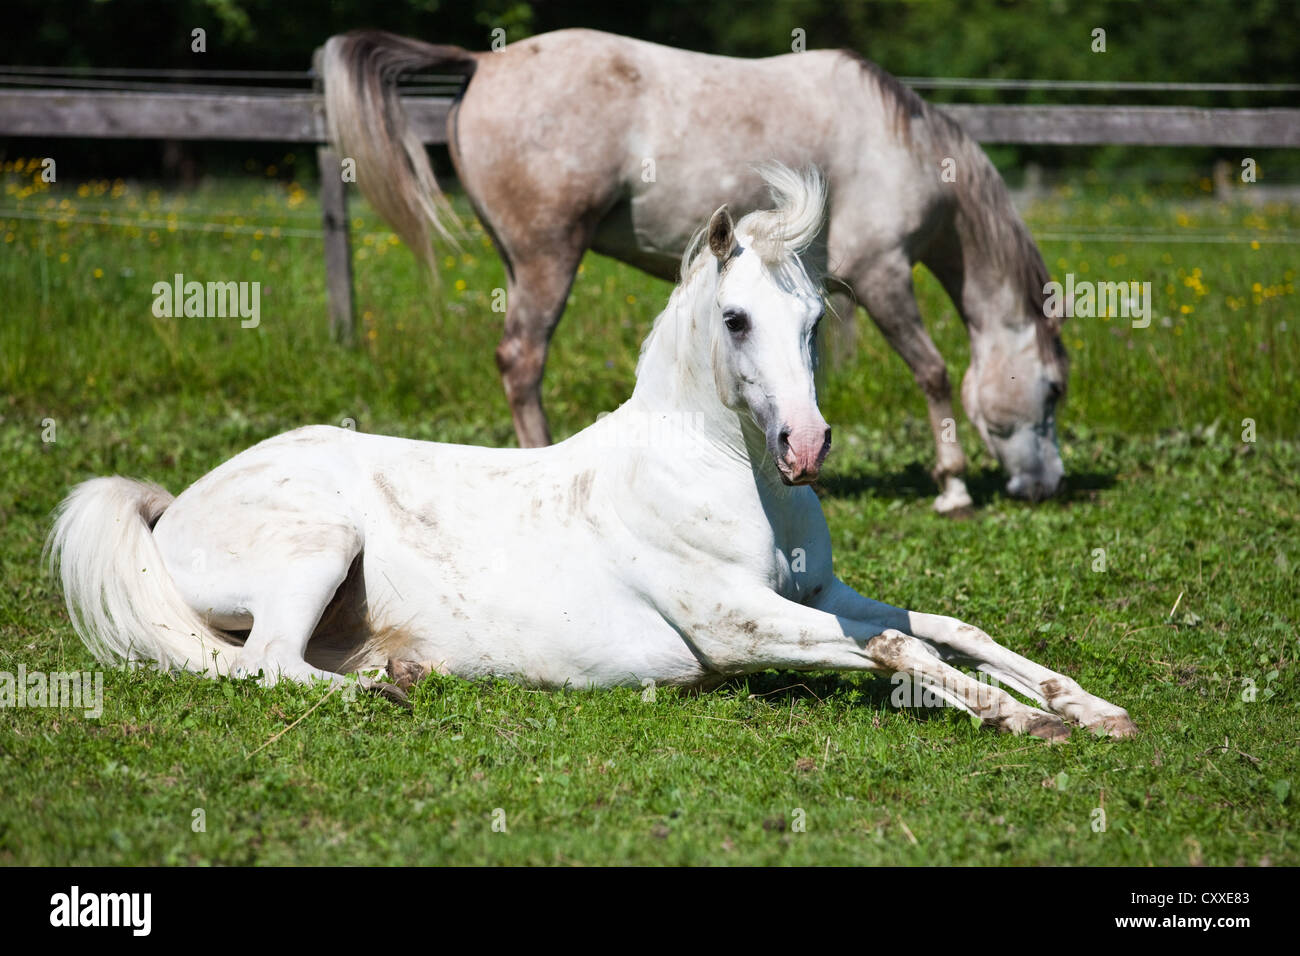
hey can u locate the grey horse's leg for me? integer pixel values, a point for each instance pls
(535, 297)
(884, 286)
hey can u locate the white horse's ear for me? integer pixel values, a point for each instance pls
(722, 234)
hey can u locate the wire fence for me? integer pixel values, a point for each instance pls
(259, 83)
(235, 82)
(1066, 233)
(182, 225)
(101, 71)
(163, 80)
(1092, 86)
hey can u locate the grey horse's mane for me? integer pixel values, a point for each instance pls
(985, 215)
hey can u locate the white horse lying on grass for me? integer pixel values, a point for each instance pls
(675, 540)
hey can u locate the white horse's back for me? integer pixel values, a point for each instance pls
(465, 553)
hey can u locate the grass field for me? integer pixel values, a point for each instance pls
(1188, 514)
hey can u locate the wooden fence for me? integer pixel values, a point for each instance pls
(299, 116)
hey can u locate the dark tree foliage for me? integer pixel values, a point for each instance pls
(1244, 40)
(1163, 40)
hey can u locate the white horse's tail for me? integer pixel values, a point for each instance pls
(368, 124)
(123, 604)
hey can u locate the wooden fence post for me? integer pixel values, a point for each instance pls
(338, 251)
(334, 218)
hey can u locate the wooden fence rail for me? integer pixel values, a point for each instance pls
(300, 117)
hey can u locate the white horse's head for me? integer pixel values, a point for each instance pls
(763, 319)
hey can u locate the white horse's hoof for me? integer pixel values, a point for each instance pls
(1120, 726)
(1048, 727)
(406, 674)
(384, 689)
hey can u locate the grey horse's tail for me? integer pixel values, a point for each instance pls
(368, 125)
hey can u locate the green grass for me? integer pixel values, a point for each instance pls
(1186, 513)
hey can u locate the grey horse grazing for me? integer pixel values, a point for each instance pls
(578, 139)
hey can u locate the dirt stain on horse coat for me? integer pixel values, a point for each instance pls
(425, 517)
(624, 70)
(580, 492)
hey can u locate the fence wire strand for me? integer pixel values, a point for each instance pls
(1082, 234)
(455, 81)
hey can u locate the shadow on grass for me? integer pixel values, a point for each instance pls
(779, 689)
(985, 485)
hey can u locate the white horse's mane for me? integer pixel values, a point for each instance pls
(788, 229)
(799, 199)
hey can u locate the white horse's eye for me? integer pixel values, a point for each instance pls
(737, 321)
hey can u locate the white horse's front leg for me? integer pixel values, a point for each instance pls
(769, 631)
(965, 643)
